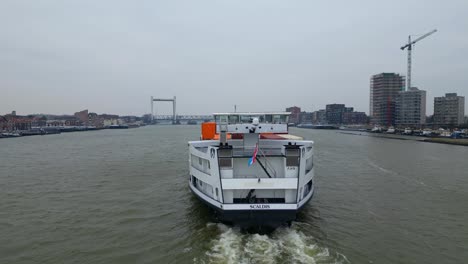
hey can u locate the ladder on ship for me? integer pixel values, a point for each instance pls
(267, 167)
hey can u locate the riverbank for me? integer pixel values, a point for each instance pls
(41, 131)
(450, 141)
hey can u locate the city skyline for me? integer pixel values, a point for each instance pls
(110, 57)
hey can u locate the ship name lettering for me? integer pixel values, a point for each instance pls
(259, 206)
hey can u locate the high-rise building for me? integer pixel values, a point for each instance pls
(295, 114)
(334, 113)
(410, 107)
(449, 110)
(384, 88)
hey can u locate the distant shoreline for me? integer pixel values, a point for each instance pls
(449, 141)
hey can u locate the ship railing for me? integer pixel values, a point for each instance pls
(247, 152)
(268, 165)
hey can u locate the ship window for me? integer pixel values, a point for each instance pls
(307, 188)
(246, 119)
(309, 165)
(258, 200)
(221, 119)
(233, 119)
(269, 118)
(216, 192)
(276, 119)
(284, 119)
(209, 167)
(200, 161)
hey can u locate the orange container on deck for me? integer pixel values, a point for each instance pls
(208, 130)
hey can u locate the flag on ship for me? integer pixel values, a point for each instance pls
(254, 156)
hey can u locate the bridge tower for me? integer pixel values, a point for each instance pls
(174, 118)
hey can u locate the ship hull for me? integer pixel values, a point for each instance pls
(251, 219)
(257, 219)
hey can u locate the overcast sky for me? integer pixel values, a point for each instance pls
(111, 56)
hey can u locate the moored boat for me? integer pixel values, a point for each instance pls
(11, 134)
(408, 131)
(376, 129)
(250, 170)
(427, 132)
(391, 130)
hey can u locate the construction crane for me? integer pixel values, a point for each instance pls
(410, 47)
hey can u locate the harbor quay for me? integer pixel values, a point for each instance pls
(37, 131)
(13, 125)
(345, 118)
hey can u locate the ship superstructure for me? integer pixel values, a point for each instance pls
(250, 170)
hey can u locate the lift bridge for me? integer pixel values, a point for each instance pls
(174, 118)
(182, 119)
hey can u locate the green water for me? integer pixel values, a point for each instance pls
(121, 196)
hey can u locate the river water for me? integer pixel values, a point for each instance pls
(121, 196)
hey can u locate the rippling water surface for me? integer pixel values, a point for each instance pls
(121, 196)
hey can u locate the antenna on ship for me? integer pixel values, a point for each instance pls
(235, 108)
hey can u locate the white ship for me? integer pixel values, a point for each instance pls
(250, 170)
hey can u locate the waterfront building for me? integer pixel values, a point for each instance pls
(55, 123)
(95, 120)
(355, 118)
(340, 114)
(39, 121)
(3, 123)
(410, 108)
(147, 119)
(305, 118)
(83, 117)
(62, 120)
(15, 122)
(130, 119)
(319, 117)
(384, 88)
(429, 120)
(294, 116)
(449, 110)
(334, 113)
(110, 122)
